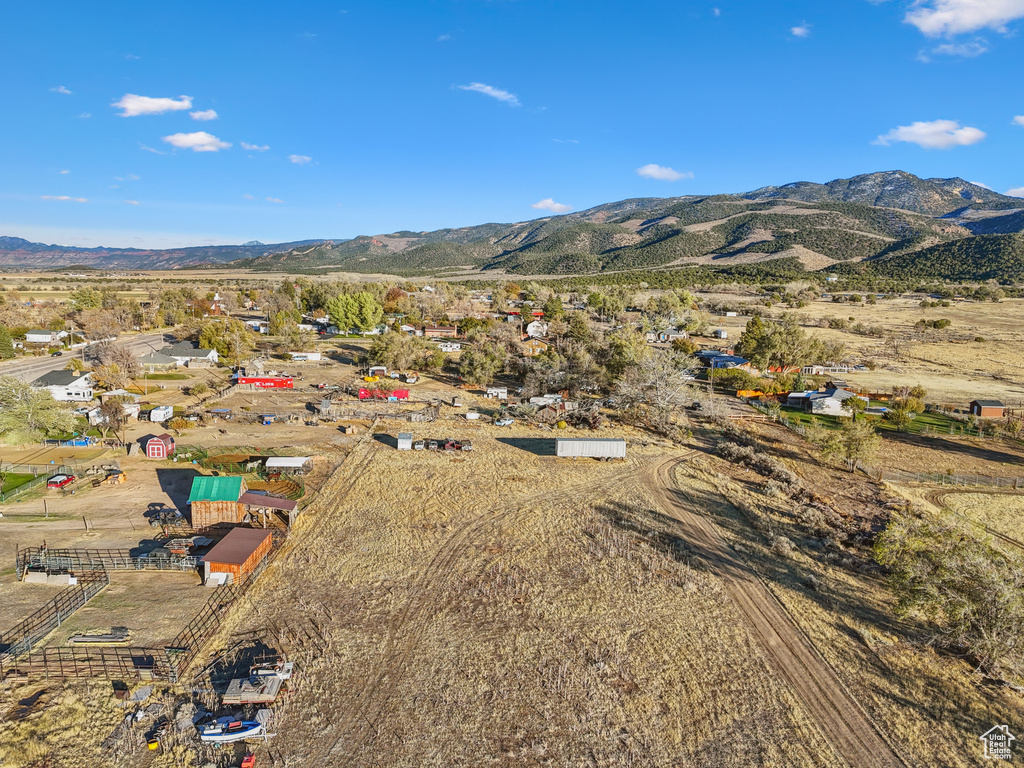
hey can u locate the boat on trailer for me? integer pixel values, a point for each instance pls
(226, 731)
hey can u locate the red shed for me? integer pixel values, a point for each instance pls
(160, 447)
(267, 382)
(237, 554)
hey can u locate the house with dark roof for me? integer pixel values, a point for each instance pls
(827, 403)
(988, 409)
(156, 361)
(66, 386)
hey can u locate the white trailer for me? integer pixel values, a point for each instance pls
(405, 441)
(161, 413)
(590, 448)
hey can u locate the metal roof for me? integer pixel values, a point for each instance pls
(287, 462)
(237, 546)
(988, 403)
(59, 378)
(269, 502)
(206, 488)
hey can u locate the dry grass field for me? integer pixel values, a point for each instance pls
(505, 607)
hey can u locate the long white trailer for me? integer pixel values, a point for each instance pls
(590, 448)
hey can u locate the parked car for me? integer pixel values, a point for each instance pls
(452, 445)
(467, 445)
(58, 353)
(504, 422)
(418, 445)
(60, 481)
(432, 445)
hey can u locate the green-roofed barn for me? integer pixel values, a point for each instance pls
(215, 500)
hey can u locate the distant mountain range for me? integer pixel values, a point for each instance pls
(879, 222)
(18, 253)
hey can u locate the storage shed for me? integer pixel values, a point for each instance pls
(589, 447)
(405, 441)
(236, 556)
(160, 447)
(292, 465)
(216, 500)
(988, 409)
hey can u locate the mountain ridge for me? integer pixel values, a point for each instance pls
(870, 217)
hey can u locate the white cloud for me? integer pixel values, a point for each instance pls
(979, 184)
(937, 134)
(132, 202)
(968, 50)
(568, 141)
(1016, 192)
(249, 197)
(803, 30)
(85, 115)
(443, 38)
(63, 173)
(255, 147)
(494, 93)
(274, 200)
(662, 172)
(61, 89)
(150, 149)
(937, 18)
(717, 11)
(64, 197)
(200, 141)
(133, 105)
(547, 204)
(300, 159)
(1019, 120)
(204, 114)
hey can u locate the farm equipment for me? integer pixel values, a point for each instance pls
(116, 478)
(166, 517)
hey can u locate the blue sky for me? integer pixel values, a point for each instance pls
(277, 122)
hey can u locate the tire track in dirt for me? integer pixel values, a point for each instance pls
(938, 499)
(432, 594)
(846, 726)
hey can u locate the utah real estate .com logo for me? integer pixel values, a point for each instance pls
(998, 743)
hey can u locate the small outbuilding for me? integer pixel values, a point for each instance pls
(160, 447)
(291, 465)
(405, 441)
(590, 447)
(215, 500)
(988, 409)
(236, 556)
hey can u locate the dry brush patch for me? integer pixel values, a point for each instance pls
(932, 707)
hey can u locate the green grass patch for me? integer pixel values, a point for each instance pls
(164, 377)
(15, 480)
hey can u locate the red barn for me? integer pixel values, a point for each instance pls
(267, 382)
(160, 447)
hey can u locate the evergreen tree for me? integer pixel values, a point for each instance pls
(6, 345)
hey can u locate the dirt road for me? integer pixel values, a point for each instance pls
(843, 722)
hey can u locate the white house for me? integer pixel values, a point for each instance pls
(66, 386)
(828, 403)
(44, 337)
(537, 329)
(191, 356)
(501, 393)
(450, 346)
(260, 326)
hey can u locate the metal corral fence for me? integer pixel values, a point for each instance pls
(61, 560)
(132, 663)
(21, 638)
(938, 478)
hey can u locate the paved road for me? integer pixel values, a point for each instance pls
(30, 369)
